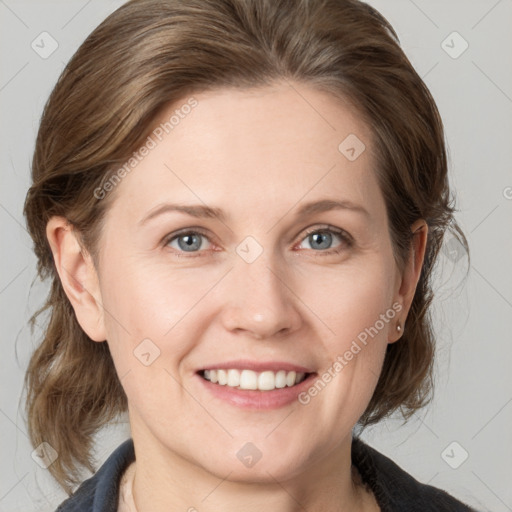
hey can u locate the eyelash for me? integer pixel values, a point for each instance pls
(346, 239)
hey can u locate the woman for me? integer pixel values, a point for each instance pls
(240, 204)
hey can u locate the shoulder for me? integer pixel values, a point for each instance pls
(100, 493)
(395, 489)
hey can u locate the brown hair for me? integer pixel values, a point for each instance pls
(150, 53)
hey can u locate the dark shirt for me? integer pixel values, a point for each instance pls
(394, 489)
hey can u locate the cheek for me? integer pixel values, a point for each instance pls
(154, 302)
(351, 300)
(148, 299)
(355, 309)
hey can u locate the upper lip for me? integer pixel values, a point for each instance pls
(258, 366)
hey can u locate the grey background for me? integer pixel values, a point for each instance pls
(473, 403)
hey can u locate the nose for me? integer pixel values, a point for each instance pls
(261, 300)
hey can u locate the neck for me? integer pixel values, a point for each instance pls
(165, 480)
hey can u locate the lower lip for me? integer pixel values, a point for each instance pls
(255, 399)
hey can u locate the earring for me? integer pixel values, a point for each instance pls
(398, 328)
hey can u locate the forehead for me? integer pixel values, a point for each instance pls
(251, 149)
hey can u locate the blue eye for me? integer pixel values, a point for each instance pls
(190, 241)
(320, 239)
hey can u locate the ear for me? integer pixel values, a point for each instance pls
(408, 280)
(78, 276)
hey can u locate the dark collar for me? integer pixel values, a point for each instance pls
(100, 493)
(394, 489)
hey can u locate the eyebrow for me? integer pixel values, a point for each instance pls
(203, 211)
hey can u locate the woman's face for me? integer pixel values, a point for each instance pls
(237, 283)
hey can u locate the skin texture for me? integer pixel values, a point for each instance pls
(259, 155)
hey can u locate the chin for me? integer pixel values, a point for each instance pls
(249, 464)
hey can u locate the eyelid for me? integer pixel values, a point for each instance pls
(176, 234)
(327, 227)
(346, 238)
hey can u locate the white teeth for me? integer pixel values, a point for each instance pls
(290, 378)
(280, 379)
(248, 379)
(266, 381)
(233, 378)
(222, 377)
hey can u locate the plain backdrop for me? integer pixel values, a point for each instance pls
(462, 442)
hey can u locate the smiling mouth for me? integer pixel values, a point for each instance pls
(250, 380)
